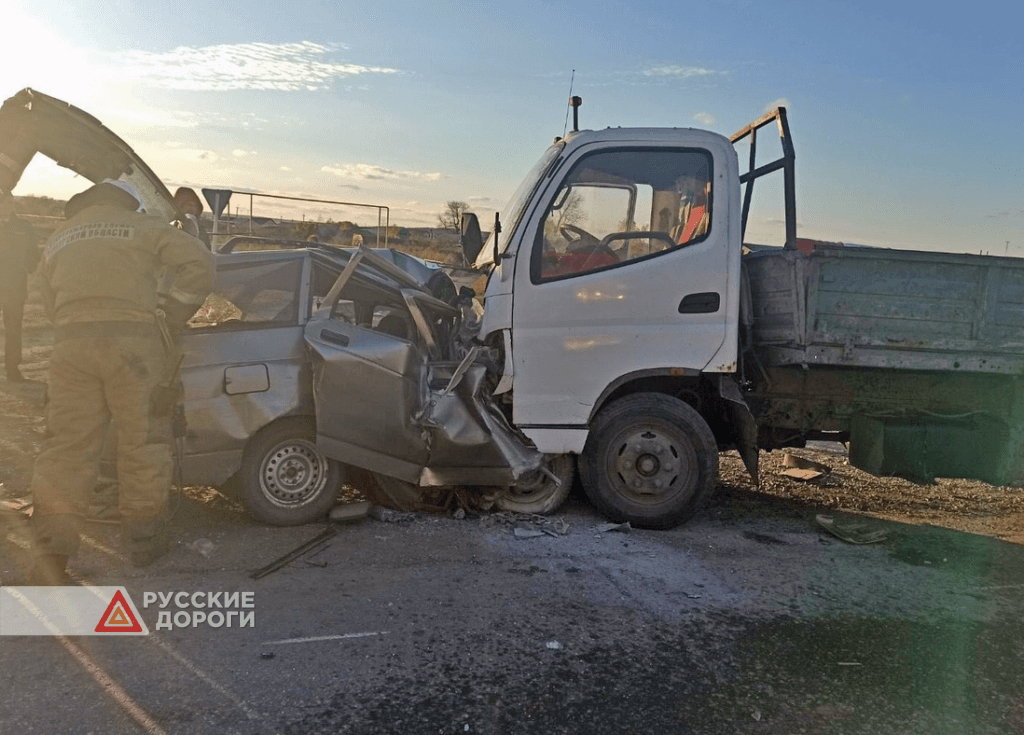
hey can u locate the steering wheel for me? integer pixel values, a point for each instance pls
(583, 238)
(584, 242)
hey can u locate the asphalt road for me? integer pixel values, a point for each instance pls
(749, 619)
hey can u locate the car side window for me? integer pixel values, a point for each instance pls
(252, 294)
(618, 206)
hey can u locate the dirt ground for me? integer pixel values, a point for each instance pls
(962, 505)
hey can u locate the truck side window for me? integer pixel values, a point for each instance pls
(619, 206)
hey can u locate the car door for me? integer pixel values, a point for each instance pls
(627, 271)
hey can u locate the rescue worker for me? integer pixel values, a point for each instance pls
(189, 205)
(112, 359)
(19, 256)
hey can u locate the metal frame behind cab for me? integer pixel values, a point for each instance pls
(786, 163)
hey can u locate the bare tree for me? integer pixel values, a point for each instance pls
(570, 213)
(451, 217)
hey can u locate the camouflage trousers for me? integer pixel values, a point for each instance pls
(94, 379)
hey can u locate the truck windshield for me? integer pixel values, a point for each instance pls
(513, 211)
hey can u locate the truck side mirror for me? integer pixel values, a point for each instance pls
(472, 240)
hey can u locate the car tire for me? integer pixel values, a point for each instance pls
(650, 459)
(284, 479)
(536, 492)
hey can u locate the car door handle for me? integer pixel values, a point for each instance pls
(334, 338)
(700, 303)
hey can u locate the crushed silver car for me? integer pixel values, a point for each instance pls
(309, 358)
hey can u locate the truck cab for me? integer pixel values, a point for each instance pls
(618, 261)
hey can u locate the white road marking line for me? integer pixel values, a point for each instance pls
(19, 542)
(325, 638)
(100, 547)
(109, 685)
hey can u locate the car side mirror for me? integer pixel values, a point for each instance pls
(472, 240)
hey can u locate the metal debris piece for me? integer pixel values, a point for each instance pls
(606, 527)
(350, 511)
(852, 532)
(554, 645)
(527, 533)
(291, 556)
(267, 654)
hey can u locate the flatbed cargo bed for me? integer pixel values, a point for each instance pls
(855, 306)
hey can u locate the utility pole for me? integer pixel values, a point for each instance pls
(1007, 251)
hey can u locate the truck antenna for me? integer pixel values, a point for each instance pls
(566, 126)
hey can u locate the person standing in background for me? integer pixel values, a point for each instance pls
(19, 256)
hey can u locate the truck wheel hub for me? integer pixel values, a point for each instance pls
(647, 463)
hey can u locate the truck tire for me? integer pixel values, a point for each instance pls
(650, 460)
(536, 492)
(284, 479)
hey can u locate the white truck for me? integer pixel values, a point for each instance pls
(626, 324)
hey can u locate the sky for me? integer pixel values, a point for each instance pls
(905, 115)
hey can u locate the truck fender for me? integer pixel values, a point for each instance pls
(744, 426)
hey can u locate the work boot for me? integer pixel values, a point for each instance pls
(146, 539)
(49, 570)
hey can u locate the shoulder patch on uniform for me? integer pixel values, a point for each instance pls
(85, 232)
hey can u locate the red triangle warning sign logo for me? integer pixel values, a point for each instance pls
(118, 617)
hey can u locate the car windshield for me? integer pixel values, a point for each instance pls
(513, 211)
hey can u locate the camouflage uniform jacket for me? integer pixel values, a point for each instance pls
(107, 264)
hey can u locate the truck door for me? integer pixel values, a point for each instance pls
(624, 268)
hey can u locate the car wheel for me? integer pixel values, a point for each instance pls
(284, 479)
(536, 492)
(650, 459)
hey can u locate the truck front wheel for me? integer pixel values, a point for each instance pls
(650, 459)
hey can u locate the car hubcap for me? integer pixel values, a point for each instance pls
(293, 474)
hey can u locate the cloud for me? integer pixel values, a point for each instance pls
(1005, 214)
(286, 67)
(194, 154)
(780, 102)
(704, 118)
(480, 200)
(153, 118)
(680, 72)
(239, 153)
(367, 171)
(286, 168)
(780, 221)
